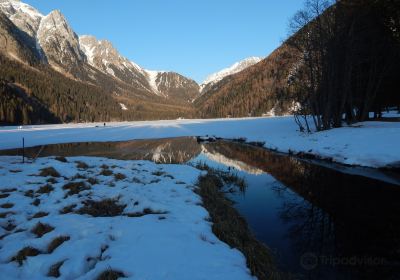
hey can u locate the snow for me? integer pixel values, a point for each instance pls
(177, 244)
(123, 106)
(22, 15)
(152, 79)
(87, 48)
(373, 144)
(236, 164)
(235, 68)
(110, 71)
(20, 7)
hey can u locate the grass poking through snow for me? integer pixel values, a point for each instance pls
(24, 253)
(41, 229)
(119, 176)
(102, 208)
(54, 270)
(231, 228)
(45, 189)
(40, 215)
(49, 172)
(75, 187)
(56, 242)
(81, 165)
(110, 274)
(7, 205)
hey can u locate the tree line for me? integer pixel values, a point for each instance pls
(349, 51)
(37, 95)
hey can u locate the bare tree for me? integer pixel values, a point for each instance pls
(311, 32)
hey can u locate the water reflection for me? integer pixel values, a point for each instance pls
(322, 223)
(340, 226)
(171, 150)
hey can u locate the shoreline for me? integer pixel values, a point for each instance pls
(230, 227)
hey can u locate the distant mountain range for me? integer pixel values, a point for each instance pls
(50, 63)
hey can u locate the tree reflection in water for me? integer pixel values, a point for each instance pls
(342, 226)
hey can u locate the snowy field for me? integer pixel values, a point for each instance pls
(373, 144)
(136, 218)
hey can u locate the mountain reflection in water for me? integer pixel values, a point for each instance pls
(321, 223)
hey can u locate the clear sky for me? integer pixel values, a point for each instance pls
(191, 37)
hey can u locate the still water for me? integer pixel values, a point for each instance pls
(321, 221)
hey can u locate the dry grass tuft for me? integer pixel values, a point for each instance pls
(81, 165)
(61, 159)
(4, 195)
(75, 187)
(102, 208)
(8, 190)
(119, 176)
(24, 253)
(7, 205)
(68, 209)
(49, 172)
(158, 173)
(16, 171)
(36, 202)
(111, 275)
(9, 227)
(232, 229)
(4, 215)
(136, 180)
(29, 193)
(45, 189)
(106, 172)
(92, 181)
(40, 215)
(54, 270)
(146, 211)
(41, 229)
(51, 180)
(56, 242)
(78, 176)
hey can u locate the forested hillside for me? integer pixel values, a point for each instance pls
(254, 91)
(66, 100)
(341, 59)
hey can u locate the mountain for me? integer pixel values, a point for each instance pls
(70, 54)
(170, 85)
(61, 76)
(59, 42)
(25, 17)
(235, 68)
(173, 85)
(102, 55)
(73, 77)
(261, 89)
(16, 43)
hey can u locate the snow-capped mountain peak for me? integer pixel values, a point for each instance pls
(24, 16)
(59, 41)
(85, 57)
(154, 82)
(102, 55)
(233, 69)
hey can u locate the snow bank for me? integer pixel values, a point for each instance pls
(373, 144)
(176, 243)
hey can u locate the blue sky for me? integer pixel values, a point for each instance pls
(192, 37)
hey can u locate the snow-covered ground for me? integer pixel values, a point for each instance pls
(162, 232)
(373, 144)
